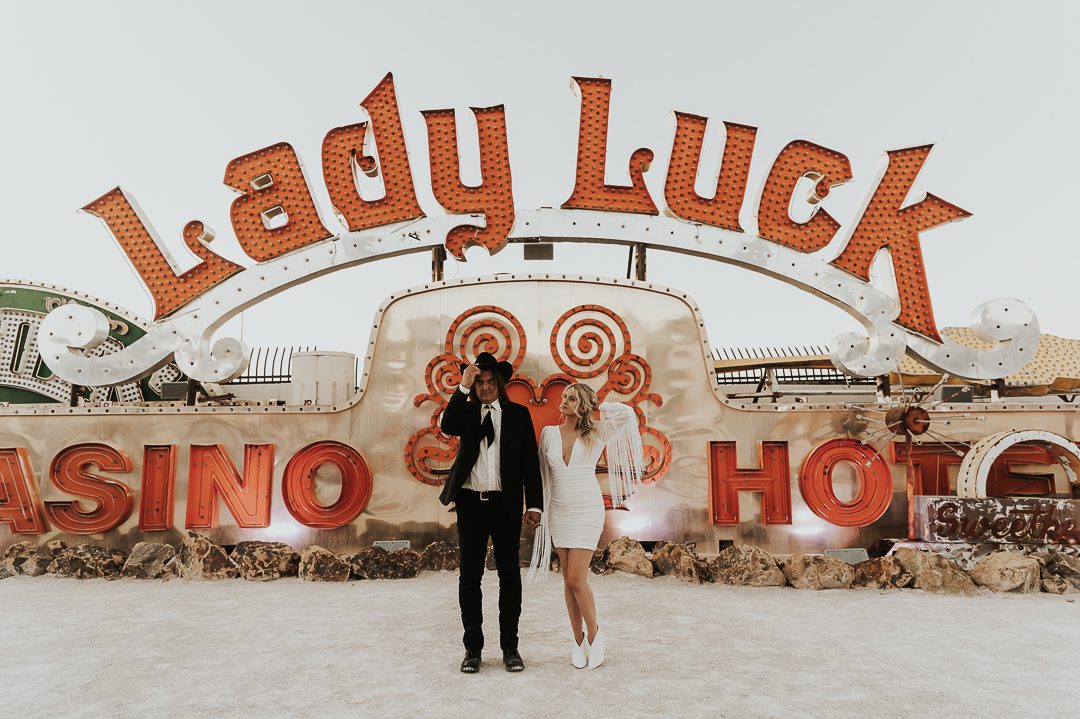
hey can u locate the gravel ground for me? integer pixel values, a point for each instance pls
(391, 649)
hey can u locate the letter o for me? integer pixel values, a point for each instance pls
(298, 485)
(874, 477)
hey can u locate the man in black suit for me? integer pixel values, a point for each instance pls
(496, 475)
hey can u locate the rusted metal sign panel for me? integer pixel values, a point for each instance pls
(1013, 520)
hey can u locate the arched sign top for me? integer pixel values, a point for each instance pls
(278, 224)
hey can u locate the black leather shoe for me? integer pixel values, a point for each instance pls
(512, 660)
(471, 663)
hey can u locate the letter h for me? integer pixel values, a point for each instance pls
(726, 480)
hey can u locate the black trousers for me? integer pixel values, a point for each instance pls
(476, 521)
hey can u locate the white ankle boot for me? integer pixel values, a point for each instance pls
(578, 657)
(596, 650)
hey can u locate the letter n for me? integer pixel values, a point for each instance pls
(212, 476)
(726, 480)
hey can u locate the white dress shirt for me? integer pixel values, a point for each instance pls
(486, 475)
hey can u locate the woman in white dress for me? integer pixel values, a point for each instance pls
(573, 516)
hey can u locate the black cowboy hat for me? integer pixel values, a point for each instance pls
(486, 360)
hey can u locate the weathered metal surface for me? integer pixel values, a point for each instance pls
(1007, 520)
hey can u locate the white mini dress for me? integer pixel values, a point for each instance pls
(573, 515)
(576, 508)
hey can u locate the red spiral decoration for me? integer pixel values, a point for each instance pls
(583, 341)
(484, 334)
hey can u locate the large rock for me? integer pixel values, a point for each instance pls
(150, 560)
(1007, 572)
(263, 561)
(747, 566)
(935, 573)
(28, 559)
(377, 563)
(811, 571)
(52, 550)
(882, 573)
(679, 560)
(404, 563)
(199, 558)
(89, 561)
(1054, 584)
(440, 556)
(598, 564)
(321, 565)
(627, 555)
(1066, 567)
(661, 550)
(369, 563)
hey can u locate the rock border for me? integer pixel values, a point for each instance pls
(1025, 570)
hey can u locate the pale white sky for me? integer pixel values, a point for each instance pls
(159, 98)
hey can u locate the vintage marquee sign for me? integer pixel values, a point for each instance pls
(874, 480)
(105, 502)
(212, 479)
(279, 226)
(784, 477)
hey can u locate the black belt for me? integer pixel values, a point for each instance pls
(485, 495)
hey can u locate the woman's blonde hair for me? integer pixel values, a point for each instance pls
(585, 410)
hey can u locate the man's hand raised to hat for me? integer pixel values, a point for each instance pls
(469, 376)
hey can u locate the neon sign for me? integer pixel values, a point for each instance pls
(278, 224)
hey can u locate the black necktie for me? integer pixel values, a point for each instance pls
(487, 427)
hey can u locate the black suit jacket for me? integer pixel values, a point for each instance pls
(518, 461)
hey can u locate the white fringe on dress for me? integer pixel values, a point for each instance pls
(625, 471)
(624, 453)
(539, 565)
